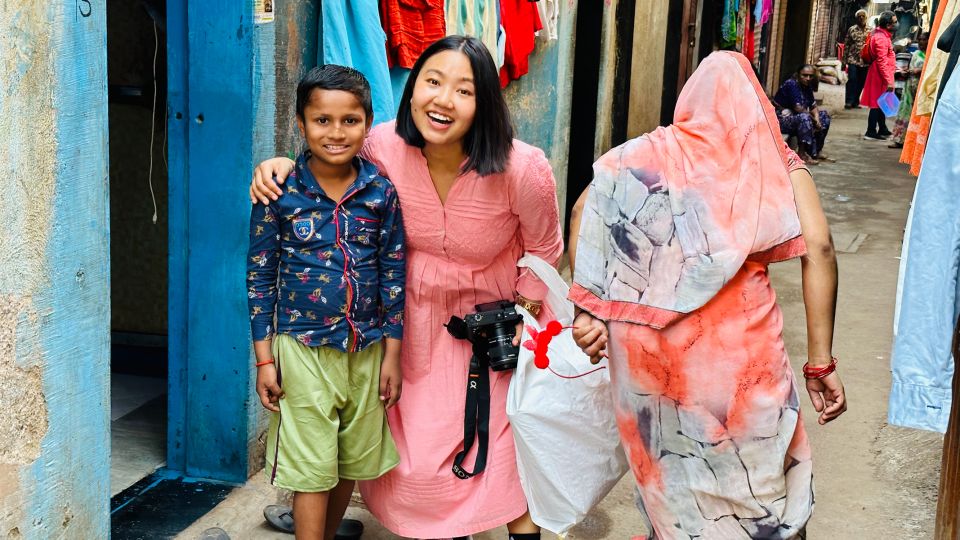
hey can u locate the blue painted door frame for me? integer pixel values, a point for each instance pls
(210, 122)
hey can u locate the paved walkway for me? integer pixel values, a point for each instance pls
(872, 480)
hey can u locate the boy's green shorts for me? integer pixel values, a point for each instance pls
(331, 423)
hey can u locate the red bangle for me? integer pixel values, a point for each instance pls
(819, 372)
(265, 362)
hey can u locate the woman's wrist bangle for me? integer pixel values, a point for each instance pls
(265, 362)
(819, 372)
(532, 306)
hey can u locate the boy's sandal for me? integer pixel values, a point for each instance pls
(280, 517)
(349, 529)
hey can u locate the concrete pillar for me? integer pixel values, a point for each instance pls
(54, 272)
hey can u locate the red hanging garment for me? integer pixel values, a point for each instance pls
(748, 37)
(521, 21)
(411, 26)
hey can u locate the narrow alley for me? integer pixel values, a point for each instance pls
(873, 480)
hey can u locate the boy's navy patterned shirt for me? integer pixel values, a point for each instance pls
(332, 271)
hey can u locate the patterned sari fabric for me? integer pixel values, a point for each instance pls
(678, 230)
(906, 104)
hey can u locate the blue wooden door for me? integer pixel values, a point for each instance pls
(211, 92)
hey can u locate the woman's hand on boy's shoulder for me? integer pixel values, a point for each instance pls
(264, 187)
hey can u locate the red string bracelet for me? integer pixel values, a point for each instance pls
(819, 372)
(265, 362)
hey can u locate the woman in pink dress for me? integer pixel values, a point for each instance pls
(474, 201)
(676, 233)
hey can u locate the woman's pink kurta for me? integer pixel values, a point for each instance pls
(459, 254)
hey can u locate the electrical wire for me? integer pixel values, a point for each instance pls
(153, 121)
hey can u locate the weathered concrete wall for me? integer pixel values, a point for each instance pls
(540, 101)
(54, 276)
(646, 82)
(296, 52)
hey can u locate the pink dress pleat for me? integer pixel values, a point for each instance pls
(458, 255)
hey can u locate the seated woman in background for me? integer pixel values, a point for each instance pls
(799, 115)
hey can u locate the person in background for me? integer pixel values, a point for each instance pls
(856, 65)
(800, 116)
(880, 75)
(682, 305)
(913, 71)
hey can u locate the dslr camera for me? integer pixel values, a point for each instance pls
(492, 327)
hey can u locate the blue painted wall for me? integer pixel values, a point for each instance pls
(54, 279)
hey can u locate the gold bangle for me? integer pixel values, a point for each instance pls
(532, 306)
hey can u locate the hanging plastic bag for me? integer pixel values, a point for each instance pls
(889, 103)
(568, 448)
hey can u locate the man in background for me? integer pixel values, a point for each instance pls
(856, 65)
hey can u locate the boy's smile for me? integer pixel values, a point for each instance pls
(334, 125)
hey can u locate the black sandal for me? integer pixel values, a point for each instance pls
(281, 518)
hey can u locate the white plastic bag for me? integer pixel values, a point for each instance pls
(568, 448)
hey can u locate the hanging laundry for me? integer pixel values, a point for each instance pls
(411, 27)
(749, 41)
(928, 291)
(728, 24)
(764, 11)
(550, 19)
(352, 36)
(477, 18)
(914, 144)
(521, 20)
(742, 27)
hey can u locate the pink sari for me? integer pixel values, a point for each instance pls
(674, 245)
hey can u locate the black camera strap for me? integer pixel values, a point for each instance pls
(476, 420)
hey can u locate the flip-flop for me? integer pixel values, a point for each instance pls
(349, 529)
(281, 518)
(214, 533)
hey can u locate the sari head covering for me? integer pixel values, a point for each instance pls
(673, 215)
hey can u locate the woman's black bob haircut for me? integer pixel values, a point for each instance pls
(489, 140)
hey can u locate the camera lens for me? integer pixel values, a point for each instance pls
(501, 350)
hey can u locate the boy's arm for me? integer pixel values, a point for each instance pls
(263, 259)
(392, 262)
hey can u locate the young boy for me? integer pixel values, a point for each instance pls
(327, 260)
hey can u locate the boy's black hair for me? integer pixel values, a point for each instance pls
(489, 140)
(334, 77)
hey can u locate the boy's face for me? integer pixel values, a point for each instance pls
(334, 124)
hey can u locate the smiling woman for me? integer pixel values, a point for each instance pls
(475, 201)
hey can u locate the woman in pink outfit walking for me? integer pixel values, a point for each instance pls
(474, 201)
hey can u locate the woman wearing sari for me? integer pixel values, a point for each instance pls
(675, 235)
(909, 90)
